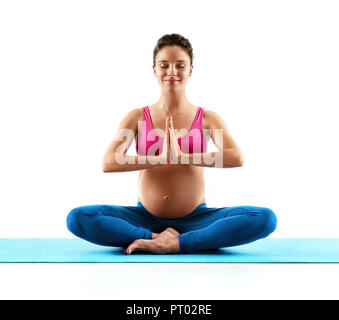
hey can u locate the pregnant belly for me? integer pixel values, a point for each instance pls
(173, 191)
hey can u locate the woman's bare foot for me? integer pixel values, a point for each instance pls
(165, 242)
(154, 235)
(173, 231)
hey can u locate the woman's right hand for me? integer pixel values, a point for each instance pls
(164, 157)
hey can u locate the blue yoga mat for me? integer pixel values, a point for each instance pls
(269, 250)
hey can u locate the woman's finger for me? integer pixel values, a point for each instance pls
(167, 127)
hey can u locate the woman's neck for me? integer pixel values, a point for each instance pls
(171, 103)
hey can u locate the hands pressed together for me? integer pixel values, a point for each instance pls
(171, 148)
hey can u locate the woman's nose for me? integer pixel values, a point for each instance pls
(171, 70)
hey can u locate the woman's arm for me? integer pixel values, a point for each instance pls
(228, 158)
(229, 154)
(115, 158)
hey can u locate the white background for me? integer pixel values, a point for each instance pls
(71, 70)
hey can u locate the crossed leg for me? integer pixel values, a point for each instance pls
(239, 225)
(125, 227)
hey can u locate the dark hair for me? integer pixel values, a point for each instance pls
(173, 39)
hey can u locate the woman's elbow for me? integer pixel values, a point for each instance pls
(107, 166)
(240, 160)
(104, 166)
(113, 162)
(233, 159)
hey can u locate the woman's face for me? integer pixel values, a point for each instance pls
(172, 67)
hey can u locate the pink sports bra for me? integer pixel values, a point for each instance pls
(149, 143)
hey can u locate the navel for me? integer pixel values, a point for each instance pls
(166, 197)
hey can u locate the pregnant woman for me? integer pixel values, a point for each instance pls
(171, 215)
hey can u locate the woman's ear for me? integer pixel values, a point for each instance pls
(191, 69)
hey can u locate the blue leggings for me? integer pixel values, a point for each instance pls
(202, 229)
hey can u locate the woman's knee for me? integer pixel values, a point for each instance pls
(77, 218)
(268, 221)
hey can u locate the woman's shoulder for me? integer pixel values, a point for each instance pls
(209, 113)
(210, 117)
(135, 114)
(131, 118)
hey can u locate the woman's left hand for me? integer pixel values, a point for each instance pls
(174, 145)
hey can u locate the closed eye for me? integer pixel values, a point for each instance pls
(163, 67)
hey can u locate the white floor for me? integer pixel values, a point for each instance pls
(168, 281)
